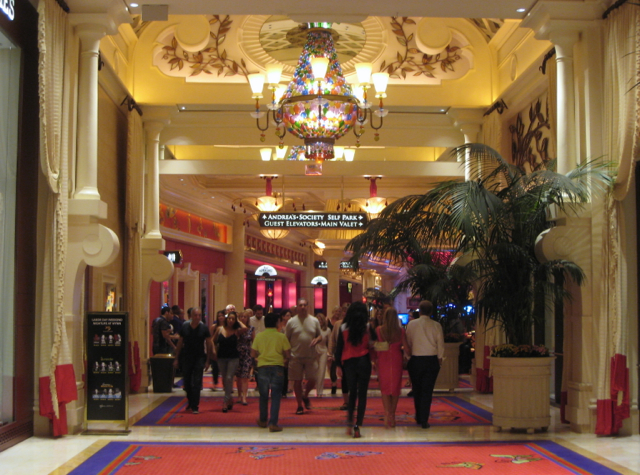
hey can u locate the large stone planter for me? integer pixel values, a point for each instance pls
(448, 375)
(521, 393)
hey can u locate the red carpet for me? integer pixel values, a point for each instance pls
(208, 383)
(325, 412)
(193, 458)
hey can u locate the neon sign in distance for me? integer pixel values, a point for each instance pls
(174, 256)
(266, 270)
(319, 280)
(7, 6)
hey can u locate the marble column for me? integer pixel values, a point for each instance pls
(333, 258)
(564, 42)
(152, 190)
(90, 35)
(469, 122)
(470, 132)
(234, 264)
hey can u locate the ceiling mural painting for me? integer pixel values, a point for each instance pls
(225, 49)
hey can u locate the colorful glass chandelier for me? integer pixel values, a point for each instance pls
(318, 105)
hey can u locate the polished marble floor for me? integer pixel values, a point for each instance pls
(40, 456)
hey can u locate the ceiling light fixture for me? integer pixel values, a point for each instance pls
(521, 10)
(264, 204)
(349, 153)
(318, 105)
(281, 152)
(374, 204)
(265, 153)
(269, 203)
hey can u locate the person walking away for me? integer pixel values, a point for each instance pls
(425, 349)
(335, 318)
(226, 340)
(271, 349)
(390, 338)
(217, 323)
(331, 359)
(321, 348)
(353, 352)
(177, 320)
(245, 364)
(303, 332)
(194, 338)
(282, 325)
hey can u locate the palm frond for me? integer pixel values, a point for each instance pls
(497, 217)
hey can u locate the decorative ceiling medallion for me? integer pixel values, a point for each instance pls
(254, 42)
(283, 39)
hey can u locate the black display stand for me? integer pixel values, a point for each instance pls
(107, 346)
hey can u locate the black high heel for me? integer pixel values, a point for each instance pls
(356, 432)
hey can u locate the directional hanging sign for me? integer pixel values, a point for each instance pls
(314, 220)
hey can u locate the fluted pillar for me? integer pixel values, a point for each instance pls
(469, 122)
(90, 35)
(470, 132)
(564, 42)
(565, 24)
(88, 242)
(152, 190)
(234, 264)
(306, 277)
(333, 258)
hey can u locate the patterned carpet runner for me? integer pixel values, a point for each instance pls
(324, 412)
(173, 458)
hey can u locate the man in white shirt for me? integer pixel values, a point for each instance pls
(303, 332)
(257, 321)
(425, 347)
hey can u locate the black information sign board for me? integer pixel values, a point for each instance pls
(314, 220)
(107, 376)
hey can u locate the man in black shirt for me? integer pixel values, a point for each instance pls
(176, 321)
(162, 343)
(191, 350)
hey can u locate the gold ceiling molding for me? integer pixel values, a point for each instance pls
(234, 50)
(249, 42)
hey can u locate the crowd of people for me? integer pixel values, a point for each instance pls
(296, 346)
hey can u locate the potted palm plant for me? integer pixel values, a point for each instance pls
(433, 276)
(495, 220)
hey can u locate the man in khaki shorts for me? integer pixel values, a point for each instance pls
(303, 332)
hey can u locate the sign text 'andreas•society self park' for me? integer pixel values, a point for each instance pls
(314, 220)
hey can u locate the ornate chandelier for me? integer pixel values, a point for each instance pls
(318, 105)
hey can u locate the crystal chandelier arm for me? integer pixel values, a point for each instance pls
(284, 132)
(371, 122)
(361, 115)
(355, 132)
(266, 127)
